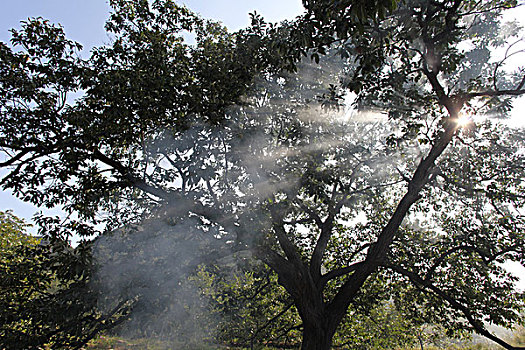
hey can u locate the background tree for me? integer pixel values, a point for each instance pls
(216, 137)
(44, 294)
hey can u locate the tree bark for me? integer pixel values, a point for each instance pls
(317, 334)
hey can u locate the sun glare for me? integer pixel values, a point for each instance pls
(463, 120)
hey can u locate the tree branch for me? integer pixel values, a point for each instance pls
(425, 285)
(270, 321)
(13, 159)
(451, 251)
(339, 272)
(378, 251)
(132, 179)
(290, 250)
(495, 93)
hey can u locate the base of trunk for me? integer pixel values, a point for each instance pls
(317, 337)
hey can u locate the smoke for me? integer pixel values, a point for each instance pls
(264, 149)
(152, 264)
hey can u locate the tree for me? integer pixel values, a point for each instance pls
(216, 136)
(253, 315)
(44, 294)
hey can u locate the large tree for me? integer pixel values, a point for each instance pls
(224, 146)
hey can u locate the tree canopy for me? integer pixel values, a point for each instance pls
(236, 145)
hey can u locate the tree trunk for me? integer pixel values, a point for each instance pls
(317, 335)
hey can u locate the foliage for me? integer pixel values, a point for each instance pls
(248, 311)
(11, 231)
(217, 146)
(44, 294)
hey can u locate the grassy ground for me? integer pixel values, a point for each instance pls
(115, 343)
(118, 343)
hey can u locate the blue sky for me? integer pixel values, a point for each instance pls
(83, 21)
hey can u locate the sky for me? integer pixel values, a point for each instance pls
(83, 21)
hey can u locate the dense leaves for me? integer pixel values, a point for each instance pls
(44, 294)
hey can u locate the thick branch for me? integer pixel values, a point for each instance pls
(339, 272)
(13, 159)
(320, 247)
(286, 271)
(133, 180)
(312, 214)
(327, 230)
(288, 247)
(495, 93)
(378, 251)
